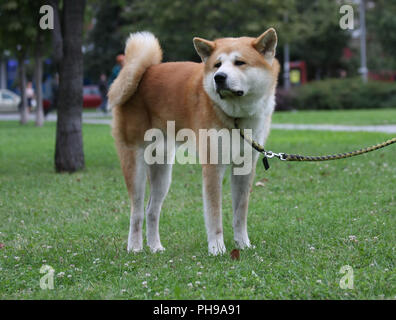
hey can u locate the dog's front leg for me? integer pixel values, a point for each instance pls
(240, 188)
(212, 185)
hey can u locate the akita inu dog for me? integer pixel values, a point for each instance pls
(236, 79)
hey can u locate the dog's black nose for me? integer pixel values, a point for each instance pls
(220, 77)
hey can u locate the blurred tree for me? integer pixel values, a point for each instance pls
(383, 21)
(176, 22)
(104, 39)
(381, 26)
(42, 41)
(321, 41)
(67, 53)
(17, 35)
(312, 29)
(25, 38)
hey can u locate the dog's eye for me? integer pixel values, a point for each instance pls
(239, 62)
(217, 65)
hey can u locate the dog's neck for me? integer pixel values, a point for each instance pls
(261, 109)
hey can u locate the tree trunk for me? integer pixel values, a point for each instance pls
(22, 86)
(57, 41)
(69, 153)
(3, 74)
(39, 86)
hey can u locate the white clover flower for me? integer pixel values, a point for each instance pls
(353, 238)
(190, 285)
(60, 274)
(144, 284)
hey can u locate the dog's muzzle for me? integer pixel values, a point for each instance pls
(222, 88)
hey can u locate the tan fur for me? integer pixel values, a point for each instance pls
(141, 51)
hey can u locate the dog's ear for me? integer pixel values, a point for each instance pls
(266, 44)
(203, 47)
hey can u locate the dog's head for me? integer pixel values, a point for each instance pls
(239, 72)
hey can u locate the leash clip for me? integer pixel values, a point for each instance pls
(270, 154)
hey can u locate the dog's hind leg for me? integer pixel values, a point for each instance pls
(160, 176)
(133, 168)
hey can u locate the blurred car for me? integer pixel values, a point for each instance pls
(91, 98)
(9, 101)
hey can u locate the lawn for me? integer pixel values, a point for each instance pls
(344, 117)
(306, 221)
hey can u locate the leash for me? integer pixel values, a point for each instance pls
(296, 157)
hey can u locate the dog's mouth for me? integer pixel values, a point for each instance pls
(226, 92)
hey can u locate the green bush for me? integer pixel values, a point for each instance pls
(350, 93)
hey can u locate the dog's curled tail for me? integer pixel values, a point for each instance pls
(142, 50)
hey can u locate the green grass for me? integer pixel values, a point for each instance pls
(345, 117)
(306, 222)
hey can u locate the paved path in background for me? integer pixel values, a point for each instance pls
(95, 118)
(390, 128)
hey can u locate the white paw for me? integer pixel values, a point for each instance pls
(216, 247)
(135, 248)
(157, 248)
(243, 243)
